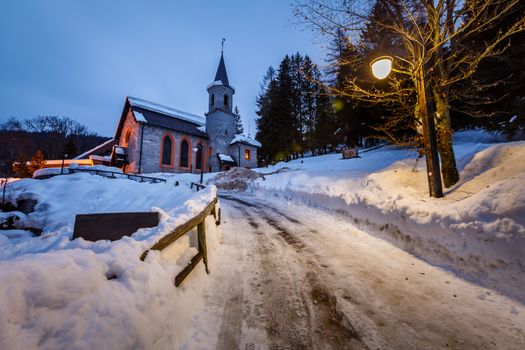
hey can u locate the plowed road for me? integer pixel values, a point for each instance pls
(291, 277)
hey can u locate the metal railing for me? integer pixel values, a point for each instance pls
(197, 186)
(116, 175)
(199, 222)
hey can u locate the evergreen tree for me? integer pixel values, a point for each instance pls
(239, 129)
(37, 162)
(70, 148)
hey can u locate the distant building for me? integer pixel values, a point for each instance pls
(154, 138)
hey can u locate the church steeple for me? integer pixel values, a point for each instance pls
(221, 72)
(220, 92)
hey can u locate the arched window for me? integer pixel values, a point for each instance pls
(200, 155)
(167, 148)
(226, 100)
(212, 99)
(126, 138)
(184, 154)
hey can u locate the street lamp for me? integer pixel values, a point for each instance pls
(381, 68)
(196, 150)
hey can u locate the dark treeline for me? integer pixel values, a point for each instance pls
(473, 71)
(20, 140)
(295, 111)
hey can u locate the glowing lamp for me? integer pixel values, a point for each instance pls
(381, 67)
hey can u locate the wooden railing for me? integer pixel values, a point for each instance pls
(198, 221)
(113, 175)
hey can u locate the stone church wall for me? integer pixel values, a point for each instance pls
(220, 127)
(133, 144)
(151, 151)
(235, 152)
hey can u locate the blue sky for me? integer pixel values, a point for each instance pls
(82, 58)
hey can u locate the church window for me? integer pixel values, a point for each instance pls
(212, 99)
(184, 154)
(126, 138)
(226, 100)
(247, 154)
(225, 131)
(167, 151)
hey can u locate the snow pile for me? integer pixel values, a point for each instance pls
(477, 229)
(236, 179)
(58, 294)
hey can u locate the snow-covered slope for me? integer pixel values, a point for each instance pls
(477, 229)
(61, 294)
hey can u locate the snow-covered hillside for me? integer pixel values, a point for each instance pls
(477, 229)
(61, 294)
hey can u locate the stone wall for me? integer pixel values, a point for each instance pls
(133, 145)
(240, 149)
(216, 98)
(151, 151)
(220, 127)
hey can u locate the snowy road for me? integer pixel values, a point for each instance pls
(292, 277)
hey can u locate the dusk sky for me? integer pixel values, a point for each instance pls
(80, 59)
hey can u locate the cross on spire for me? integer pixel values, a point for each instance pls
(222, 46)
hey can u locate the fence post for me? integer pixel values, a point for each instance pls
(201, 234)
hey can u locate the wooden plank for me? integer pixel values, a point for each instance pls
(184, 273)
(112, 226)
(181, 230)
(201, 234)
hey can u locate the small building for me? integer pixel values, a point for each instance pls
(153, 138)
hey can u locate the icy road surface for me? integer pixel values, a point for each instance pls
(292, 277)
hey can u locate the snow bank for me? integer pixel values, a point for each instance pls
(236, 179)
(477, 230)
(62, 294)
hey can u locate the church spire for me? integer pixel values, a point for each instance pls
(221, 70)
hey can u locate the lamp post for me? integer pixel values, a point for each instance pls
(64, 156)
(381, 68)
(196, 150)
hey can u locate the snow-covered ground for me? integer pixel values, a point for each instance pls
(477, 229)
(298, 268)
(294, 277)
(61, 294)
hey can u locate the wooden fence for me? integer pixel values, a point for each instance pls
(198, 221)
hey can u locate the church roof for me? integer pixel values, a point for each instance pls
(239, 138)
(155, 114)
(221, 73)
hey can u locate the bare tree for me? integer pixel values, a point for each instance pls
(431, 34)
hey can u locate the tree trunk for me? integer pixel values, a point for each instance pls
(449, 169)
(440, 75)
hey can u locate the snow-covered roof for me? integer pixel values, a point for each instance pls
(152, 106)
(239, 138)
(139, 117)
(83, 155)
(202, 128)
(218, 83)
(226, 158)
(215, 83)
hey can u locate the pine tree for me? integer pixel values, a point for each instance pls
(37, 162)
(239, 129)
(70, 148)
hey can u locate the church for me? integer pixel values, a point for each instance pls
(154, 138)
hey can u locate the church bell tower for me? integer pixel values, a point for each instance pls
(220, 121)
